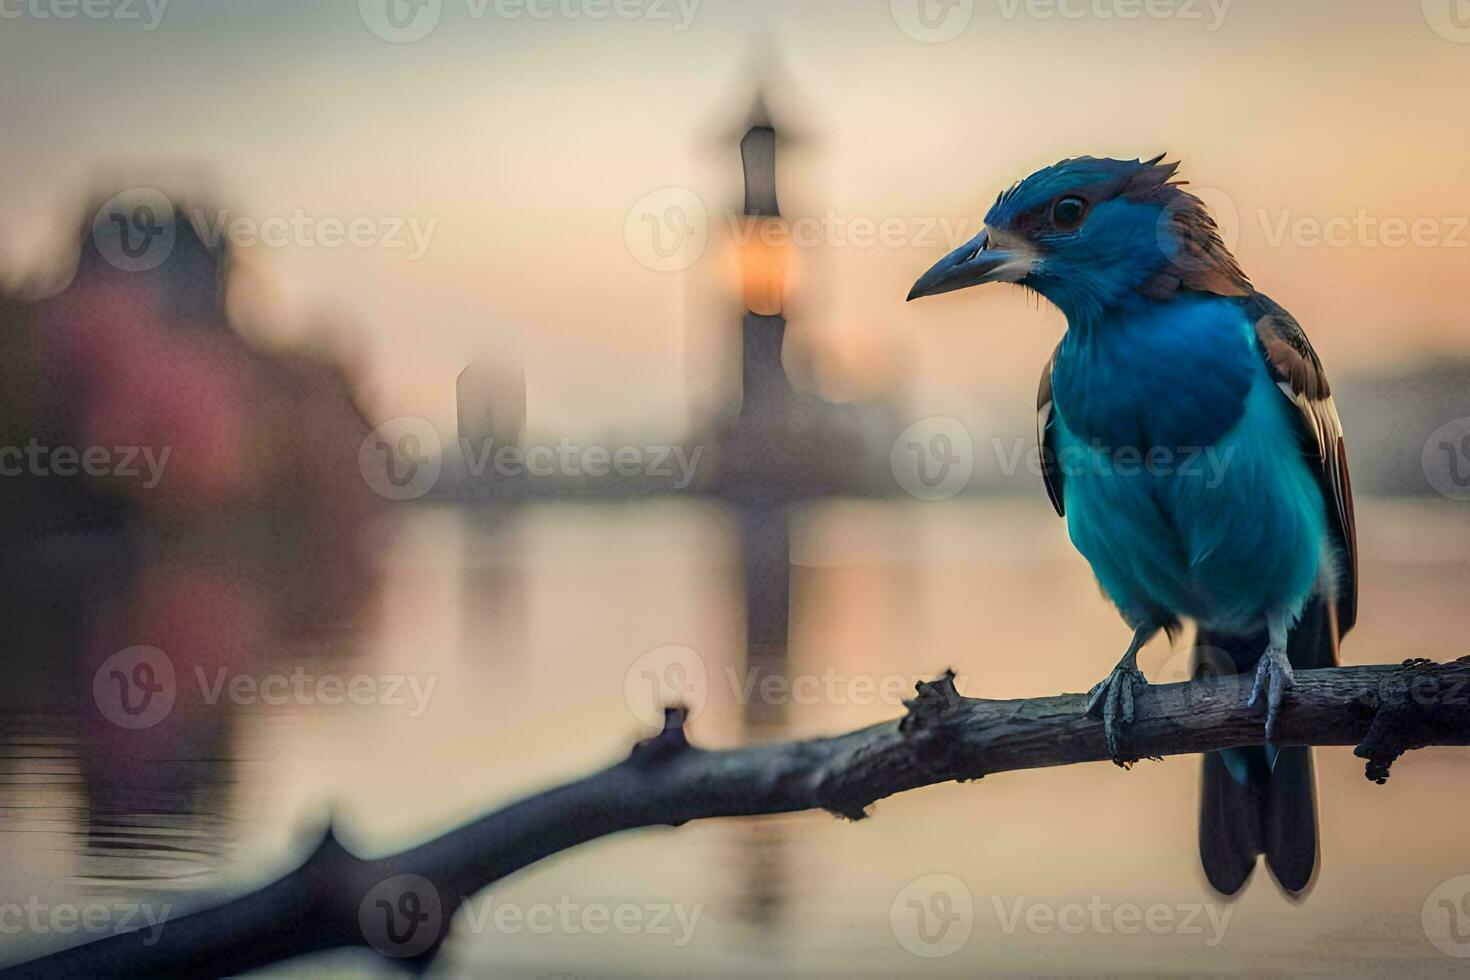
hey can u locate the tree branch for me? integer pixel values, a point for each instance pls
(402, 904)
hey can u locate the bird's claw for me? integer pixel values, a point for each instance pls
(1112, 700)
(1274, 678)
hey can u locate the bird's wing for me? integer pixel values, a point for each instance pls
(1046, 448)
(1299, 375)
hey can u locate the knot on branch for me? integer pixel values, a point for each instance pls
(932, 700)
(929, 725)
(1422, 704)
(670, 741)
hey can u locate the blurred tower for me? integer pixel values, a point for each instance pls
(766, 395)
(490, 402)
(786, 442)
(756, 477)
(760, 486)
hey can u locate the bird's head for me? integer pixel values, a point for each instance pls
(1089, 234)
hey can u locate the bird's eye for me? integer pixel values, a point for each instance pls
(1068, 212)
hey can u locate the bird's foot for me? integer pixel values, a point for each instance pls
(1112, 700)
(1273, 678)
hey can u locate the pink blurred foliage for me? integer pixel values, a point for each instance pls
(131, 378)
(259, 522)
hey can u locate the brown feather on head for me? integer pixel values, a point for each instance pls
(1203, 263)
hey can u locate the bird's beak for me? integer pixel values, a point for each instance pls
(974, 263)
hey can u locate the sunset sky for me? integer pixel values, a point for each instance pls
(520, 144)
(552, 189)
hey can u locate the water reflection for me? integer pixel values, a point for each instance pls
(530, 621)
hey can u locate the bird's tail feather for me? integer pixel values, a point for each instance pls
(1255, 800)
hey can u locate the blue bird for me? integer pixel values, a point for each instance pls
(1189, 438)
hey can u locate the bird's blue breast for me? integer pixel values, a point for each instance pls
(1158, 374)
(1183, 483)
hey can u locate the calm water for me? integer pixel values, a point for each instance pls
(514, 641)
